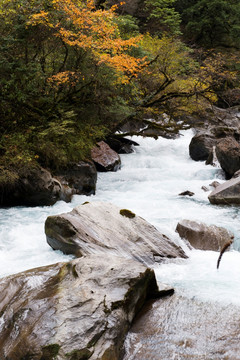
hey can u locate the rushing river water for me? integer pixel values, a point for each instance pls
(148, 184)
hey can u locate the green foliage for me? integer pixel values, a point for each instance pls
(164, 15)
(212, 23)
(58, 98)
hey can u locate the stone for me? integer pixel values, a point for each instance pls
(227, 193)
(76, 310)
(201, 146)
(105, 158)
(34, 187)
(121, 145)
(204, 188)
(186, 193)
(236, 174)
(214, 184)
(202, 236)
(80, 177)
(99, 227)
(228, 154)
(186, 327)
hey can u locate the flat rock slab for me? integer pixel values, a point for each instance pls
(202, 236)
(103, 228)
(227, 193)
(76, 310)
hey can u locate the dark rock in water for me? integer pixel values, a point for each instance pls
(204, 188)
(201, 146)
(77, 310)
(202, 236)
(100, 228)
(228, 154)
(81, 177)
(227, 193)
(105, 158)
(186, 193)
(121, 145)
(214, 184)
(35, 187)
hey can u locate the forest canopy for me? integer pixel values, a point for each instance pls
(72, 71)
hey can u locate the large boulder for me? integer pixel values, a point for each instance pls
(201, 146)
(34, 187)
(202, 236)
(227, 193)
(72, 311)
(81, 177)
(105, 158)
(228, 154)
(103, 228)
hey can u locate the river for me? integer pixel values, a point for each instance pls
(148, 184)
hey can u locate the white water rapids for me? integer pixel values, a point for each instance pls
(148, 184)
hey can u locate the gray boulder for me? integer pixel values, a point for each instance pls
(103, 228)
(228, 154)
(77, 310)
(105, 158)
(227, 193)
(202, 236)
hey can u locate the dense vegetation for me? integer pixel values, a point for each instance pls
(72, 71)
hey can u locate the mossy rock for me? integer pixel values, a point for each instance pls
(127, 213)
(83, 354)
(50, 352)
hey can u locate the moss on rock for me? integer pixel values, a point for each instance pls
(127, 213)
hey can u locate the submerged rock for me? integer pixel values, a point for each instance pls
(227, 193)
(76, 310)
(202, 236)
(105, 158)
(100, 227)
(186, 193)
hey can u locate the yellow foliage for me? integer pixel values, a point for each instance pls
(81, 25)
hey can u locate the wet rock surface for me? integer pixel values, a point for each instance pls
(228, 154)
(201, 146)
(121, 145)
(227, 193)
(35, 187)
(184, 328)
(202, 236)
(76, 310)
(102, 228)
(105, 158)
(81, 177)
